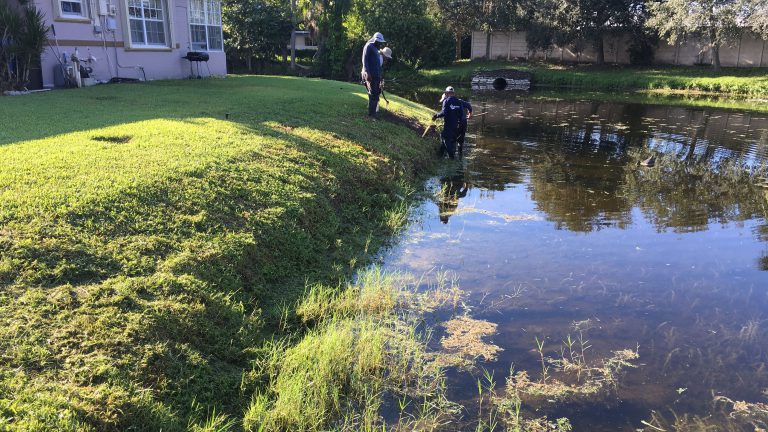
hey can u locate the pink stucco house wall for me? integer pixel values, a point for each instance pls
(134, 38)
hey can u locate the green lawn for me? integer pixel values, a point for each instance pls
(154, 236)
(732, 81)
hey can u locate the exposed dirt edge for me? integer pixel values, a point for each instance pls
(409, 122)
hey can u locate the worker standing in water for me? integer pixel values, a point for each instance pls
(372, 62)
(466, 114)
(452, 111)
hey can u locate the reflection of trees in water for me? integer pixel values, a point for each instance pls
(577, 196)
(582, 159)
(685, 196)
(575, 168)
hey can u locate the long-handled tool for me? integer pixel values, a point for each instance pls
(426, 131)
(384, 96)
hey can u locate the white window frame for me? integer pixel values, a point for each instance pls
(65, 16)
(167, 20)
(210, 19)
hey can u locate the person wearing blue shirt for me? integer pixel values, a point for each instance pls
(461, 133)
(452, 112)
(372, 70)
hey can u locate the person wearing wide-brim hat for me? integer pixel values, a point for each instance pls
(386, 56)
(371, 74)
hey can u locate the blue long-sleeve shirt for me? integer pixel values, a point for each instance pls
(372, 61)
(453, 111)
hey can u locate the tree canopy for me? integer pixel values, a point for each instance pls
(717, 21)
(424, 32)
(256, 29)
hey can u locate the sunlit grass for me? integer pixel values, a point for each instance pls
(152, 235)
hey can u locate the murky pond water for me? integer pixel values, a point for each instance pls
(554, 229)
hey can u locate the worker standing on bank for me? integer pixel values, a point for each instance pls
(386, 56)
(452, 111)
(372, 70)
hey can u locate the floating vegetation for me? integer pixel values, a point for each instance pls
(495, 411)
(362, 346)
(727, 416)
(506, 216)
(749, 332)
(464, 342)
(570, 378)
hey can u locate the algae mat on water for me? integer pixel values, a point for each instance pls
(151, 235)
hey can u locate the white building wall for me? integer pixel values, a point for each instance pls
(750, 51)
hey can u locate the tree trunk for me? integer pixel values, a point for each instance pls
(695, 138)
(715, 43)
(27, 66)
(488, 46)
(600, 50)
(716, 57)
(458, 46)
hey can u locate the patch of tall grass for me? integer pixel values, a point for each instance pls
(363, 348)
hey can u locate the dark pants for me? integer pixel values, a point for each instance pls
(374, 90)
(448, 140)
(460, 136)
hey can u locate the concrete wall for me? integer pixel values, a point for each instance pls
(164, 63)
(750, 51)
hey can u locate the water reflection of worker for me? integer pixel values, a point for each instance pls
(451, 190)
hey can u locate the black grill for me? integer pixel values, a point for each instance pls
(197, 56)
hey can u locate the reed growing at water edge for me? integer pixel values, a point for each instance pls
(363, 346)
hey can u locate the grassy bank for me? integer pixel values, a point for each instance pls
(751, 82)
(156, 238)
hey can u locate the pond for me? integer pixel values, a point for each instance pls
(556, 231)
